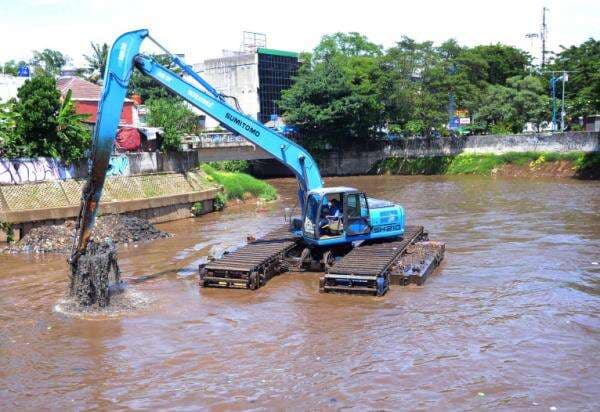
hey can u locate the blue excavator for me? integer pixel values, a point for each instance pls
(332, 217)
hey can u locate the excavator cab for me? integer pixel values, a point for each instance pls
(335, 215)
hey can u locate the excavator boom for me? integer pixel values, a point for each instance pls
(123, 56)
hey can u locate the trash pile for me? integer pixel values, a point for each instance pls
(59, 238)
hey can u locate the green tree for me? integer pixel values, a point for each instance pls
(174, 118)
(414, 86)
(48, 61)
(97, 62)
(8, 125)
(335, 97)
(502, 62)
(582, 92)
(37, 106)
(507, 108)
(147, 87)
(73, 135)
(38, 124)
(12, 67)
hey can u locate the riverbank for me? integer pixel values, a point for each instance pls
(238, 185)
(159, 197)
(515, 164)
(420, 155)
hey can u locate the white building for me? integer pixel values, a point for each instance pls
(9, 85)
(254, 79)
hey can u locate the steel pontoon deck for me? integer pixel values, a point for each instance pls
(366, 268)
(252, 265)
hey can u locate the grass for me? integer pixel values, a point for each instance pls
(239, 185)
(414, 166)
(586, 165)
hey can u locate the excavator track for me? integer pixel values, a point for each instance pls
(366, 269)
(252, 265)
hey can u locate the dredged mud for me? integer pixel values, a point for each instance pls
(93, 272)
(120, 229)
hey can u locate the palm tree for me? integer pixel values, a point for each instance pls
(97, 61)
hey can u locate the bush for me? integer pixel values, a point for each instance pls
(241, 166)
(239, 185)
(219, 202)
(73, 136)
(197, 208)
(587, 165)
(174, 118)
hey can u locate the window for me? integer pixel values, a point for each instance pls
(353, 206)
(274, 75)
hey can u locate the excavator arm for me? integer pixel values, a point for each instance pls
(123, 56)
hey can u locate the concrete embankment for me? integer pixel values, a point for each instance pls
(157, 197)
(433, 153)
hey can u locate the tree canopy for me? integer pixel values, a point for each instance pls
(351, 88)
(38, 124)
(336, 93)
(582, 92)
(97, 61)
(49, 61)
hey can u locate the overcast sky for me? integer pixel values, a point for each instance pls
(201, 29)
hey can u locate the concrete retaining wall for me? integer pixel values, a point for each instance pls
(360, 159)
(349, 160)
(157, 197)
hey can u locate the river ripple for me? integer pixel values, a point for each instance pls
(510, 321)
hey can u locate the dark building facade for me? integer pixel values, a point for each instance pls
(276, 69)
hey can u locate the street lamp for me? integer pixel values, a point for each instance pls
(564, 77)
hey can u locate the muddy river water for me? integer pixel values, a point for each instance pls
(510, 321)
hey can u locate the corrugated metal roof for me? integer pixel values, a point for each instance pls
(81, 89)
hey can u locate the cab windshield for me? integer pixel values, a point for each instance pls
(312, 216)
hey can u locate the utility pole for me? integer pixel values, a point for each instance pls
(565, 77)
(543, 35)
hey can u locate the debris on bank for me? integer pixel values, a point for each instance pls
(58, 238)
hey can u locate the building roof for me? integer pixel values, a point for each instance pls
(263, 50)
(81, 89)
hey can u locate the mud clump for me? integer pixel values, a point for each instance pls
(92, 274)
(59, 238)
(417, 263)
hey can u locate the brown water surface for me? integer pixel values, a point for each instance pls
(510, 321)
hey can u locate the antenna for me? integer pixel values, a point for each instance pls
(252, 41)
(543, 35)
